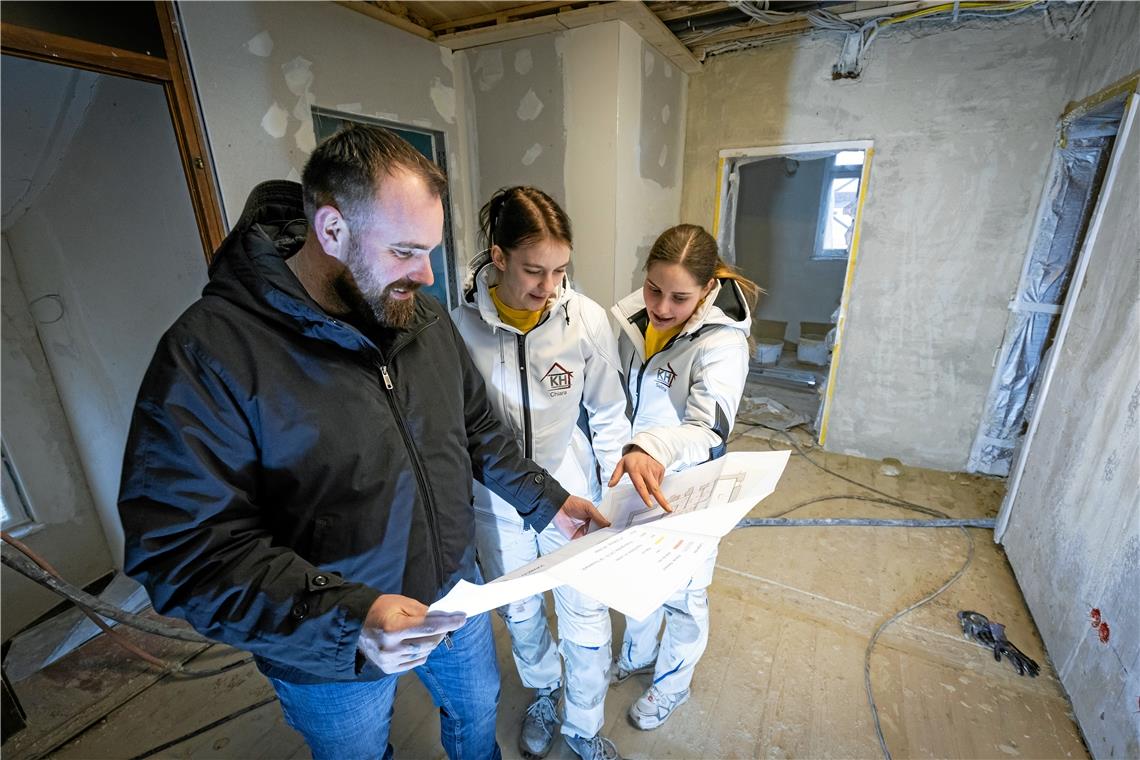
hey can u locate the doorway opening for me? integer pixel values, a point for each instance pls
(788, 217)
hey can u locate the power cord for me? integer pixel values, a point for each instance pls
(943, 520)
(50, 578)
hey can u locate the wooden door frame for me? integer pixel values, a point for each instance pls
(172, 72)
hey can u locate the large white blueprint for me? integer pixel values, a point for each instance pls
(647, 554)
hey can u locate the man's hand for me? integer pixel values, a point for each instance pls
(646, 474)
(573, 520)
(399, 632)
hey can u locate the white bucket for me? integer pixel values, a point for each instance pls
(768, 353)
(812, 351)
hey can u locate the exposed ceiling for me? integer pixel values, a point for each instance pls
(686, 31)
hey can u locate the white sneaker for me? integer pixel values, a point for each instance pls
(654, 707)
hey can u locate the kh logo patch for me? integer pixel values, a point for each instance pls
(665, 376)
(558, 380)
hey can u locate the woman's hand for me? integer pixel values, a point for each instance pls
(646, 474)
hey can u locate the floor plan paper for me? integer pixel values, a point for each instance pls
(647, 554)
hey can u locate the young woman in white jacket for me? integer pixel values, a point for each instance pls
(549, 358)
(683, 343)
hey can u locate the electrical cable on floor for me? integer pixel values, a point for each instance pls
(94, 612)
(942, 520)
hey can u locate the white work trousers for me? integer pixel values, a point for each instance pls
(686, 615)
(505, 544)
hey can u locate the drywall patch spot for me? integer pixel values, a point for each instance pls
(663, 157)
(275, 121)
(304, 103)
(294, 175)
(443, 98)
(447, 58)
(529, 107)
(298, 75)
(386, 116)
(524, 61)
(665, 113)
(260, 45)
(305, 137)
(349, 107)
(668, 71)
(650, 61)
(532, 154)
(423, 123)
(489, 68)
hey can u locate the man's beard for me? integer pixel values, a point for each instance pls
(369, 300)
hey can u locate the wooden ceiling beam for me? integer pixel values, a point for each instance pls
(504, 16)
(635, 14)
(373, 11)
(678, 11)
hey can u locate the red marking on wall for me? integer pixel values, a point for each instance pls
(1095, 616)
(1103, 633)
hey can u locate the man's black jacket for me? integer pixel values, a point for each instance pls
(274, 485)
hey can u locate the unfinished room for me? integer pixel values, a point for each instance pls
(747, 379)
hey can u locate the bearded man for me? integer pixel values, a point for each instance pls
(297, 479)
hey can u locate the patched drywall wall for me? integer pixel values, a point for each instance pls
(260, 67)
(518, 93)
(777, 216)
(590, 65)
(592, 116)
(963, 122)
(108, 255)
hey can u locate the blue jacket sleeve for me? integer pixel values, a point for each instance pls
(196, 534)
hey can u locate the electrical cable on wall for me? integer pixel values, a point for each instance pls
(860, 35)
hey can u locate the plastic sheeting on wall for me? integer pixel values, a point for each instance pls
(1074, 178)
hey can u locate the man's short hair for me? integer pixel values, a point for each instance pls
(348, 169)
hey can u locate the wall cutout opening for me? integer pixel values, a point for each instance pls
(430, 143)
(788, 217)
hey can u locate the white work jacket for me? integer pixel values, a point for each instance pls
(557, 386)
(683, 400)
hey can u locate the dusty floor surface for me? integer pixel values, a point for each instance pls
(792, 611)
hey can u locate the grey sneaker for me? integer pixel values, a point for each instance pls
(596, 747)
(654, 707)
(619, 672)
(540, 724)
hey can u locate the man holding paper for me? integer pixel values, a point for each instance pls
(297, 479)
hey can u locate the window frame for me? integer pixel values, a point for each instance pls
(833, 172)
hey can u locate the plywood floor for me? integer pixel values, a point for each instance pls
(792, 611)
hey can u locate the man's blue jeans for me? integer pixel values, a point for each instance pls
(351, 720)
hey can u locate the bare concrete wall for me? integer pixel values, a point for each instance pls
(1074, 532)
(261, 66)
(962, 123)
(776, 220)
